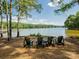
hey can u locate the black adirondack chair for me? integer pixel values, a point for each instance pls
(39, 42)
(27, 42)
(50, 39)
(60, 40)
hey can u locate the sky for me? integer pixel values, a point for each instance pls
(47, 15)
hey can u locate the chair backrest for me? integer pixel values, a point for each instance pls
(50, 39)
(60, 38)
(27, 39)
(39, 40)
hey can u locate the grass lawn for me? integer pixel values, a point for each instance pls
(72, 33)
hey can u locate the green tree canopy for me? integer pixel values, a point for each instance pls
(25, 6)
(72, 21)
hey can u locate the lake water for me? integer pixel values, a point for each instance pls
(42, 31)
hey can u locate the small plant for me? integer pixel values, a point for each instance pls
(38, 34)
(32, 34)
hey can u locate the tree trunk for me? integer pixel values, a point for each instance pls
(18, 26)
(7, 19)
(1, 18)
(10, 21)
(7, 26)
(18, 22)
(1, 26)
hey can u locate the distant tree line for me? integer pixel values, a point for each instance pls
(25, 26)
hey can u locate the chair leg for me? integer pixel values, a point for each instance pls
(43, 46)
(24, 45)
(63, 44)
(28, 46)
(53, 45)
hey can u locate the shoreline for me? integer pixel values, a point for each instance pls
(67, 37)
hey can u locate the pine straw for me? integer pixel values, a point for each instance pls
(14, 50)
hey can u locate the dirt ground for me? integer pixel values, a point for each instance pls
(14, 50)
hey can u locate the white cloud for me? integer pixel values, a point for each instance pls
(54, 3)
(35, 21)
(50, 4)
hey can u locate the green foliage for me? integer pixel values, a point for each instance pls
(25, 6)
(72, 21)
(66, 6)
(38, 35)
(5, 6)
